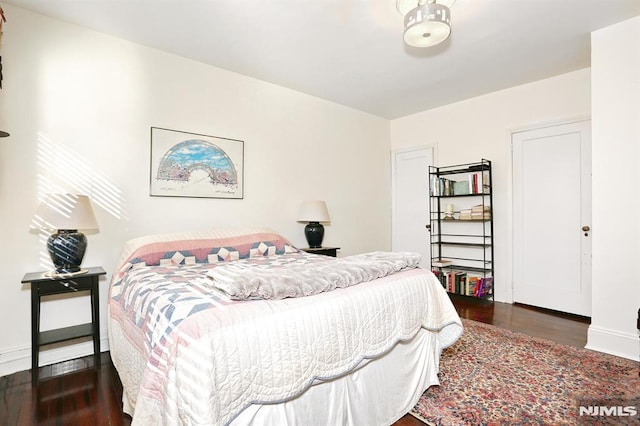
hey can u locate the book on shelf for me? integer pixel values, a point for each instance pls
(472, 284)
(460, 188)
(453, 281)
(480, 208)
(441, 276)
(481, 212)
(486, 216)
(465, 214)
(479, 183)
(474, 185)
(484, 287)
(463, 283)
(441, 186)
(441, 262)
(486, 182)
(437, 186)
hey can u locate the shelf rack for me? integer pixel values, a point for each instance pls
(467, 243)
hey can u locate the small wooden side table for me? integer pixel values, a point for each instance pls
(326, 251)
(43, 284)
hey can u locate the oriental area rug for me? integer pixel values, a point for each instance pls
(493, 376)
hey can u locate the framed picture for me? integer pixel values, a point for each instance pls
(187, 164)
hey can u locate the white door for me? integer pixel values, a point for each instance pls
(410, 180)
(552, 216)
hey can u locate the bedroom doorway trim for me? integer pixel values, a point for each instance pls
(563, 146)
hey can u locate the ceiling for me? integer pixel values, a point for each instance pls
(351, 51)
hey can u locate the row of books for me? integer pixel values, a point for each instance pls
(460, 282)
(477, 183)
(479, 212)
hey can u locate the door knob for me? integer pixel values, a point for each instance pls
(428, 227)
(586, 228)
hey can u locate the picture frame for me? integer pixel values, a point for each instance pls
(185, 164)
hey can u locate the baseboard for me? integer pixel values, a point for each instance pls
(14, 360)
(613, 342)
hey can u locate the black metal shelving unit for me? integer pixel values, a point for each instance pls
(461, 228)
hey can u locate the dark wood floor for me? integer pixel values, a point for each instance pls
(74, 393)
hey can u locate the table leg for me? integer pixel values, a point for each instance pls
(35, 331)
(95, 315)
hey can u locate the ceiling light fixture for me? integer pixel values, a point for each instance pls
(426, 22)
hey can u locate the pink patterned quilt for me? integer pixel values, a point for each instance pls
(157, 298)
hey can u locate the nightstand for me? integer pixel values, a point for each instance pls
(44, 285)
(326, 251)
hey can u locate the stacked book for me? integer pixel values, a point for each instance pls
(441, 263)
(480, 212)
(465, 214)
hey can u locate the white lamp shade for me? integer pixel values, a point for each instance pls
(313, 211)
(427, 25)
(404, 6)
(65, 211)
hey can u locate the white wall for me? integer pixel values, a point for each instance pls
(93, 98)
(79, 106)
(616, 182)
(480, 127)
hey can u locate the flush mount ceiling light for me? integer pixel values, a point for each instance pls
(426, 22)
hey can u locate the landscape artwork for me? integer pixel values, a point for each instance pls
(187, 164)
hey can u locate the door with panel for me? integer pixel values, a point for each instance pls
(552, 217)
(410, 197)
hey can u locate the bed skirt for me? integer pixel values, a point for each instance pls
(378, 391)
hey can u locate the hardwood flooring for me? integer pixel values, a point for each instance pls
(75, 393)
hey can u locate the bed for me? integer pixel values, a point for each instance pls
(192, 346)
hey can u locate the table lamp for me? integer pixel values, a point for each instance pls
(66, 214)
(313, 212)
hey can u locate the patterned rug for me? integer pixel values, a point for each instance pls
(493, 376)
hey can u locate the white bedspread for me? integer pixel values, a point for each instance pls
(218, 361)
(201, 358)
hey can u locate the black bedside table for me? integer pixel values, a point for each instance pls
(327, 251)
(44, 285)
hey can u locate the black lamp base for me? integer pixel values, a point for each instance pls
(314, 232)
(66, 248)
